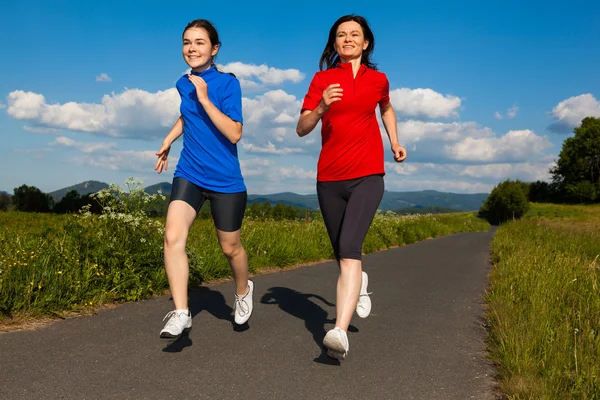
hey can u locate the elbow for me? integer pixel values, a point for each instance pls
(300, 132)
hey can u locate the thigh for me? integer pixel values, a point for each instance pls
(186, 191)
(228, 210)
(180, 217)
(365, 197)
(332, 202)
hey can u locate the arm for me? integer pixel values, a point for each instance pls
(316, 103)
(177, 130)
(231, 129)
(388, 116)
(309, 119)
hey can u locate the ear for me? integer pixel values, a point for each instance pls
(365, 45)
(215, 50)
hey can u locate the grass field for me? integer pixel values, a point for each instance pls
(544, 304)
(50, 264)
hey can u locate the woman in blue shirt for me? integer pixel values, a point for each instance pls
(208, 169)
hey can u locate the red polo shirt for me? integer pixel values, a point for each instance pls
(350, 136)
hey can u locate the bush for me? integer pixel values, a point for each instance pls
(507, 201)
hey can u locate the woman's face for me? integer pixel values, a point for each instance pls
(197, 50)
(350, 41)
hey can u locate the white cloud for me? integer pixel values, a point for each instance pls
(529, 171)
(450, 185)
(84, 147)
(412, 131)
(41, 129)
(514, 146)
(2, 106)
(270, 148)
(570, 112)
(103, 77)
(133, 113)
(253, 77)
(424, 103)
(510, 113)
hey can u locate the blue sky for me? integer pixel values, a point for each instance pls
(483, 91)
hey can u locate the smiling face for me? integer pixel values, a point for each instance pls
(198, 51)
(350, 41)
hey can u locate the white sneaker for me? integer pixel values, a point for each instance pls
(179, 322)
(363, 307)
(337, 344)
(243, 305)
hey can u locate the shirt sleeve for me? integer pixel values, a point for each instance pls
(232, 100)
(314, 95)
(385, 93)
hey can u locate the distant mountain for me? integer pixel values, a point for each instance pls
(291, 199)
(390, 201)
(82, 188)
(164, 187)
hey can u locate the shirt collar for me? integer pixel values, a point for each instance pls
(206, 72)
(348, 66)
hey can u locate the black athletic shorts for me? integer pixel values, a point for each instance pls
(348, 208)
(227, 209)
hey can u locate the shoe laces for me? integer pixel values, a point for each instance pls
(241, 307)
(365, 294)
(172, 316)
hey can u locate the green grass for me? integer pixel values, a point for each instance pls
(544, 304)
(50, 264)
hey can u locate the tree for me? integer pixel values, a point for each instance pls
(31, 199)
(4, 201)
(69, 204)
(579, 161)
(507, 201)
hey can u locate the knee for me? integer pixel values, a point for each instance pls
(174, 238)
(232, 250)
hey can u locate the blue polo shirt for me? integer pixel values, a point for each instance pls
(208, 158)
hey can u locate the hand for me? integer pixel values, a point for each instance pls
(201, 87)
(399, 153)
(331, 94)
(162, 163)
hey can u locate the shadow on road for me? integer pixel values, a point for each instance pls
(300, 306)
(205, 299)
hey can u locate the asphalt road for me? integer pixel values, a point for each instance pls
(423, 339)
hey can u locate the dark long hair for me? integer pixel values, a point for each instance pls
(330, 58)
(213, 36)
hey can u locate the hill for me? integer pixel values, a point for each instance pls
(390, 201)
(164, 187)
(82, 188)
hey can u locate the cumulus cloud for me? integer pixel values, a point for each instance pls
(93, 147)
(529, 171)
(510, 113)
(269, 148)
(133, 113)
(254, 77)
(424, 103)
(570, 112)
(41, 129)
(105, 155)
(103, 77)
(515, 146)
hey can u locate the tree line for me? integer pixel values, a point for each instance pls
(575, 179)
(31, 199)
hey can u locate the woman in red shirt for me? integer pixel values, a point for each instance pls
(344, 96)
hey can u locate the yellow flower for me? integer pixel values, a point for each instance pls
(39, 286)
(59, 272)
(31, 283)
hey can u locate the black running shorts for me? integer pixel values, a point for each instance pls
(227, 209)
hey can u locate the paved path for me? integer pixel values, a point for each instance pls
(423, 339)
